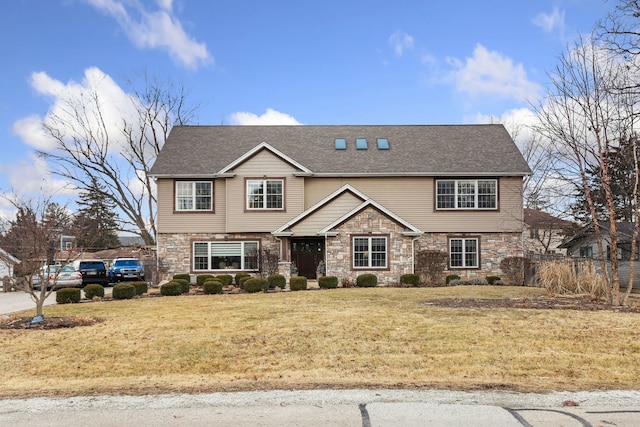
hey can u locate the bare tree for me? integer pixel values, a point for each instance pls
(584, 116)
(92, 145)
(32, 238)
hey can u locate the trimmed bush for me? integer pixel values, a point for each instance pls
(493, 279)
(243, 280)
(328, 282)
(182, 276)
(200, 279)
(212, 286)
(367, 280)
(298, 283)
(277, 280)
(68, 295)
(451, 277)
(410, 279)
(469, 282)
(171, 288)
(140, 287)
(123, 291)
(256, 284)
(184, 285)
(239, 276)
(93, 290)
(226, 279)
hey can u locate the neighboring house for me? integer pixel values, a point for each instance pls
(584, 244)
(363, 199)
(544, 232)
(7, 264)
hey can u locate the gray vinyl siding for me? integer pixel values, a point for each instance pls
(413, 200)
(326, 215)
(263, 165)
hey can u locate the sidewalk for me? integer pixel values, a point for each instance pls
(322, 408)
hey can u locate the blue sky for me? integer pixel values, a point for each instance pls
(282, 62)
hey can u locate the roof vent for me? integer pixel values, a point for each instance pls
(361, 143)
(383, 144)
(341, 144)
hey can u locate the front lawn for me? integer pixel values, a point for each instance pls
(340, 338)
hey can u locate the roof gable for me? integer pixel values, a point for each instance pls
(258, 148)
(414, 150)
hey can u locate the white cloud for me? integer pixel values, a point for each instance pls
(550, 22)
(400, 41)
(156, 29)
(491, 73)
(270, 117)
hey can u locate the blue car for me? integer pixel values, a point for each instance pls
(126, 269)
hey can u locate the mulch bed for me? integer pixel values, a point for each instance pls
(579, 302)
(48, 322)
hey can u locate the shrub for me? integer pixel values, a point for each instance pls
(493, 280)
(93, 290)
(68, 295)
(239, 276)
(431, 264)
(410, 279)
(243, 280)
(182, 276)
(171, 288)
(451, 277)
(277, 280)
(140, 287)
(226, 279)
(298, 283)
(184, 285)
(347, 282)
(256, 284)
(212, 286)
(328, 282)
(123, 291)
(201, 278)
(514, 267)
(367, 280)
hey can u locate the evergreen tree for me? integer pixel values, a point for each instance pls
(96, 221)
(619, 161)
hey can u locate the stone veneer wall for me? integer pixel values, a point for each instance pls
(175, 250)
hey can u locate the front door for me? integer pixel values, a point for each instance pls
(307, 253)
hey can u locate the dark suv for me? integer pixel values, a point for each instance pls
(92, 270)
(126, 269)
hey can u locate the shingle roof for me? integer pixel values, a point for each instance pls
(199, 151)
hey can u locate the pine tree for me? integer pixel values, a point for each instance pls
(95, 222)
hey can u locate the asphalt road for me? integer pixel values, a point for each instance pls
(320, 407)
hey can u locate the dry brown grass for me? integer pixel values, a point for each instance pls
(378, 337)
(562, 278)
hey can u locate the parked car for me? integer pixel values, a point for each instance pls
(58, 276)
(92, 270)
(123, 269)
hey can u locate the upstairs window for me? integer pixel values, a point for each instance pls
(194, 195)
(467, 194)
(265, 194)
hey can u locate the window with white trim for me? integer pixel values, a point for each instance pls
(194, 195)
(209, 256)
(467, 194)
(463, 253)
(265, 194)
(370, 252)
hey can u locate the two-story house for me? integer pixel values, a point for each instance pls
(359, 198)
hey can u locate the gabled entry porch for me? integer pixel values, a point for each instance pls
(306, 254)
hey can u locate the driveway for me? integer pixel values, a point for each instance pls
(12, 302)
